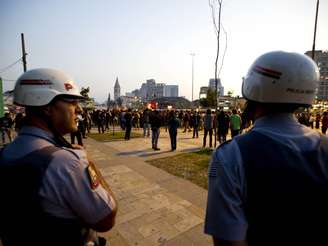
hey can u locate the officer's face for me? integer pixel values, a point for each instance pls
(64, 115)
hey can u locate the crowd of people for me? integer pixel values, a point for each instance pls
(210, 122)
(314, 120)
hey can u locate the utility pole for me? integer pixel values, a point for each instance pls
(315, 29)
(192, 76)
(1, 100)
(23, 51)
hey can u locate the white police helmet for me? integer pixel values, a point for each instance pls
(281, 77)
(38, 87)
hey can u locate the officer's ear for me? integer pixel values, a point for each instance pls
(250, 110)
(48, 110)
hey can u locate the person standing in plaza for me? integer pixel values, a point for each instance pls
(186, 119)
(195, 124)
(122, 119)
(128, 124)
(155, 122)
(208, 127)
(303, 119)
(180, 117)
(324, 123)
(235, 123)
(173, 125)
(311, 120)
(136, 119)
(6, 124)
(100, 119)
(223, 126)
(18, 122)
(85, 123)
(78, 134)
(317, 121)
(107, 120)
(146, 122)
(269, 186)
(51, 193)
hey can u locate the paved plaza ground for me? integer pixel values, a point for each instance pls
(155, 208)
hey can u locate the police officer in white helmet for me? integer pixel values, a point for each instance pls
(270, 185)
(51, 194)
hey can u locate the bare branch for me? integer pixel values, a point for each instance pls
(218, 43)
(225, 49)
(212, 7)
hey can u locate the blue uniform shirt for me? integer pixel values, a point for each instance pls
(66, 191)
(225, 217)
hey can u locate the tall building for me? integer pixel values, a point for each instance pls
(152, 90)
(211, 85)
(171, 91)
(136, 93)
(117, 90)
(147, 90)
(203, 92)
(159, 90)
(321, 58)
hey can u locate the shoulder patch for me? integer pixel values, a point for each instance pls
(216, 164)
(93, 177)
(213, 169)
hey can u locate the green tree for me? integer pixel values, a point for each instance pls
(211, 97)
(203, 102)
(137, 105)
(85, 92)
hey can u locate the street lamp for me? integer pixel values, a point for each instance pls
(192, 76)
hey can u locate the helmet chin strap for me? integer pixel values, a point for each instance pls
(249, 111)
(59, 139)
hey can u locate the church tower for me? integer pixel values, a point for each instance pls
(117, 90)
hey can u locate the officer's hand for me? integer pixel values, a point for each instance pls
(76, 146)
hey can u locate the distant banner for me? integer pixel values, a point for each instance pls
(153, 104)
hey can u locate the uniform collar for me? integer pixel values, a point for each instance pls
(276, 120)
(38, 132)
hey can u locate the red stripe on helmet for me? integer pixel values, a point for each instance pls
(35, 82)
(267, 70)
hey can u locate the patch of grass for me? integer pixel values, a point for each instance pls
(108, 136)
(191, 166)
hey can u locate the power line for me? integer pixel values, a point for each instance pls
(10, 66)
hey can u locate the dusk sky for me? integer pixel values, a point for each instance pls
(135, 40)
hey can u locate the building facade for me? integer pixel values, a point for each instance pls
(152, 90)
(203, 92)
(211, 85)
(171, 91)
(321, 58)
(159, 90)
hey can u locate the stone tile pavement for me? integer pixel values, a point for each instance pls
(155, 208)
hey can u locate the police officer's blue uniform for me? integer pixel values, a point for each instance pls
(274, 177)
(65, 193)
